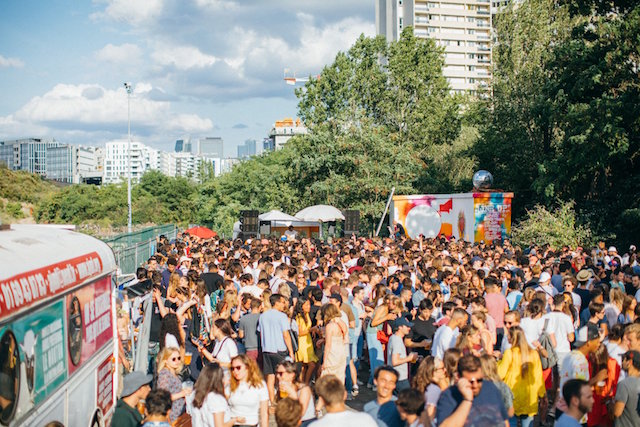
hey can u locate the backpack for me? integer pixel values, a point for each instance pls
(545, 341)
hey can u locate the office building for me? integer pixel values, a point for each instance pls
(211, 147)
(28, 154)
(283, 130)
(462, 27)
(183, 146)
(249, 148)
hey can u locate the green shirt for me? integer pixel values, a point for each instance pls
(126, 416)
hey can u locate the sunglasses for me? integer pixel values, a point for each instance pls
(476, 381)
(281, 373)
(236, 368)
(176, 359)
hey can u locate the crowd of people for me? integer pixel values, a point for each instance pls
(444, 332)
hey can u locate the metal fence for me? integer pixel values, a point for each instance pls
(133, 249)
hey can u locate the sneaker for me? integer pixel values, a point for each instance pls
(355, 391)
(360, 382)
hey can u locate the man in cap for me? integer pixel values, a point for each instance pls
(582, 290)
(576, 365)
(135, 388)
(397, 352)
(544, 284)
(625, 410)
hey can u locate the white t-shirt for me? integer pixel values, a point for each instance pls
(560, 325)
(203, 416)
(225, 350)
(444, 339)
(345, 418)
(533, 328)
(245, 402)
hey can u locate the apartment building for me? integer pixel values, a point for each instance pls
(283, 130)
(116, 166)
(462, 27)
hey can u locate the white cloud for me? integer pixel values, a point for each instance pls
(93, 108)
(216, 4)
(182, 57)
(10, 62)
(124, 54)
(134, 12)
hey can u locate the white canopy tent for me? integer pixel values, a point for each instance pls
(320, 213)
(276, 215)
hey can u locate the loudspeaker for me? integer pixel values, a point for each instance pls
(250, 222)
(351, 221)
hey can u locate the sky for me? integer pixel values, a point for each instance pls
(198, 67)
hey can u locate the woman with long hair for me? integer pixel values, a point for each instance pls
(450, 359)
(380, 315)
(169, 368)
(469, 341)
(490, 372)
(613, 308)
(431, 379)
(288, 385)
(207, 404)
(171, 332)
(520, 368)
(335, 335)
(603, 391)
(628, 314)
(306, 354)
(224, 347)
(249, 397)
(478, 319)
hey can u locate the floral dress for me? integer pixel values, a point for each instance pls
(170, 382)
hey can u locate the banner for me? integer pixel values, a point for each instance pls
(88, 321)
(492, 213)
(42, 350)
(473, 217)
(26, 289)
(104, 390)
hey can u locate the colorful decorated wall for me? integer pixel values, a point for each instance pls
(470, 216)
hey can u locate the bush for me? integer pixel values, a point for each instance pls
(555, 227)
(14, 209)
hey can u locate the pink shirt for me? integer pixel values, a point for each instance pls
(495, 304)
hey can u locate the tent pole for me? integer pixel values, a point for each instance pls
(386, 208)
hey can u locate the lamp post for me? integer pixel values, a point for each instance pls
(127, 86)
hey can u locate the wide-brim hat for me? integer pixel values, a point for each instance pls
(584, 275)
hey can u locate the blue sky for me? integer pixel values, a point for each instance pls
(199, 67)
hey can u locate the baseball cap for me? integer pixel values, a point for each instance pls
(544, 277)
(585, 334)
(634, 356)
(401, 321)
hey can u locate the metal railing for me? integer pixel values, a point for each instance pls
(133, 249)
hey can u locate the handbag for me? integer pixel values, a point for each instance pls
(183, 420)
(294, 339)
(382, 335)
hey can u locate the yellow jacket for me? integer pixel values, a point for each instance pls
(526, 389)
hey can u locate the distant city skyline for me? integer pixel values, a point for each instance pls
(199, 68)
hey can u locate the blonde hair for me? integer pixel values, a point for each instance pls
(254, 375)
(616, 297)
(163, 358)
(489, 367)
(518, 341)
(174, 283)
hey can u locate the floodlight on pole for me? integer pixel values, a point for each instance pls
(127, 86)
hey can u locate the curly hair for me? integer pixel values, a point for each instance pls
(254, 375)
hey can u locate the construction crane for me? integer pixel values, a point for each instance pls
(291, 79)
